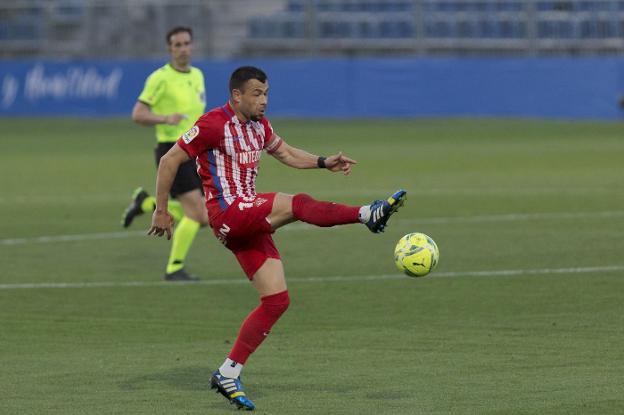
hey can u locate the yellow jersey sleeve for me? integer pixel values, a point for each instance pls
(153, 90)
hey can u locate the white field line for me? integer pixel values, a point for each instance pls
(327, 279)
(71, 238)
(368, 192)
(509, 217)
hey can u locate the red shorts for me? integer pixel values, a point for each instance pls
(245, 230)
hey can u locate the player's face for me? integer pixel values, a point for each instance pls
(180, 48)
(253, 99)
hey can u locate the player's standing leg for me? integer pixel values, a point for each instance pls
(270, 283)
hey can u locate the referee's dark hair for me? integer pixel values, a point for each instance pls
(179, 29)
(244, 74)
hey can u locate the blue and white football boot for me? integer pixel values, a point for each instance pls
(381, 210)
(232, 389)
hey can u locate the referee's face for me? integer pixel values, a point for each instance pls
(180, 47)
(253, 99)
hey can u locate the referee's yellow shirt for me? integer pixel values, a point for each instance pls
(169, 91)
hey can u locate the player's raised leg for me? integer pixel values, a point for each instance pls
(288, 208)
(379, 211)
(270, 283)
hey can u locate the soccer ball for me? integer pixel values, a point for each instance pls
(416, 254)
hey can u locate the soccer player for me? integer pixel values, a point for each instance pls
(173, 98)
(227, 143)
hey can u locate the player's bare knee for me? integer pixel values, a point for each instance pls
(281, 212)
(283, 202)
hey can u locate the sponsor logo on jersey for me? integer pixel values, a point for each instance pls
(249, 157)
(190, 134)
(259, 201)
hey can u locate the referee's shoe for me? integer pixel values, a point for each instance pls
(180, 275)
(134, 209)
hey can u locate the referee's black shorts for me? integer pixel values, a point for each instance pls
(187, 179)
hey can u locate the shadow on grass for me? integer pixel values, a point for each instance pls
(188, 379)
(193, 379)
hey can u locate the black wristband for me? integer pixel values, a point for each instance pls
(320, 162)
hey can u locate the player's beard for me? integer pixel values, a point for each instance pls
(254, 116)
(258, 116)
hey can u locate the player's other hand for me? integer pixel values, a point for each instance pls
(162, 223)
(339, 162)
(174, 119)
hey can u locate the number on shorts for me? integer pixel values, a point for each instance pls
(223, 233)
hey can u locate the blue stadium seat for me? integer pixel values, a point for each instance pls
(556, 29)
(331, 29)
(438, 29)
(68, 10)
(489, 29)
(396, 29)
(367, 30)
(23, 24)
(510, 6)
(295, 6)
(517, 29)
(292, 29)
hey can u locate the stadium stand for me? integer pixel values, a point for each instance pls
(458, 27)
(229, 28)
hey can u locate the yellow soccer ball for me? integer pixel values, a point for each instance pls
(416, 254)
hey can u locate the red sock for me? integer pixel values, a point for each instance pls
(313, 211)
(258, 325)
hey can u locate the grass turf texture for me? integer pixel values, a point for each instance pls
(495, 195)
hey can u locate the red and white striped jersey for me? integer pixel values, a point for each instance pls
(227, 153)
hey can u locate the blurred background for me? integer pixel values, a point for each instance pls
(416, 57)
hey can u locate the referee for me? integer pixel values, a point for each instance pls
(172, 99)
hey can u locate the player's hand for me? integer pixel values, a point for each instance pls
(162, 223)
(174, 119)
(339, 162)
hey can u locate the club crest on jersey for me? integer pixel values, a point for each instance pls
(190, 134)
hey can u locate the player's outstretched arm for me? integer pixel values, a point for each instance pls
(142, 114)
(339, 162)
(162, 221)
(301, 159)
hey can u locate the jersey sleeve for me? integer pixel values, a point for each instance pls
(203, 136)
(273, 141)
(153, 90)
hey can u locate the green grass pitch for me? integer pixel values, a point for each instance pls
(524, 315)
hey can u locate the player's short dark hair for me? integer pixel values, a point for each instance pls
(178, 29)
(244, 74)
